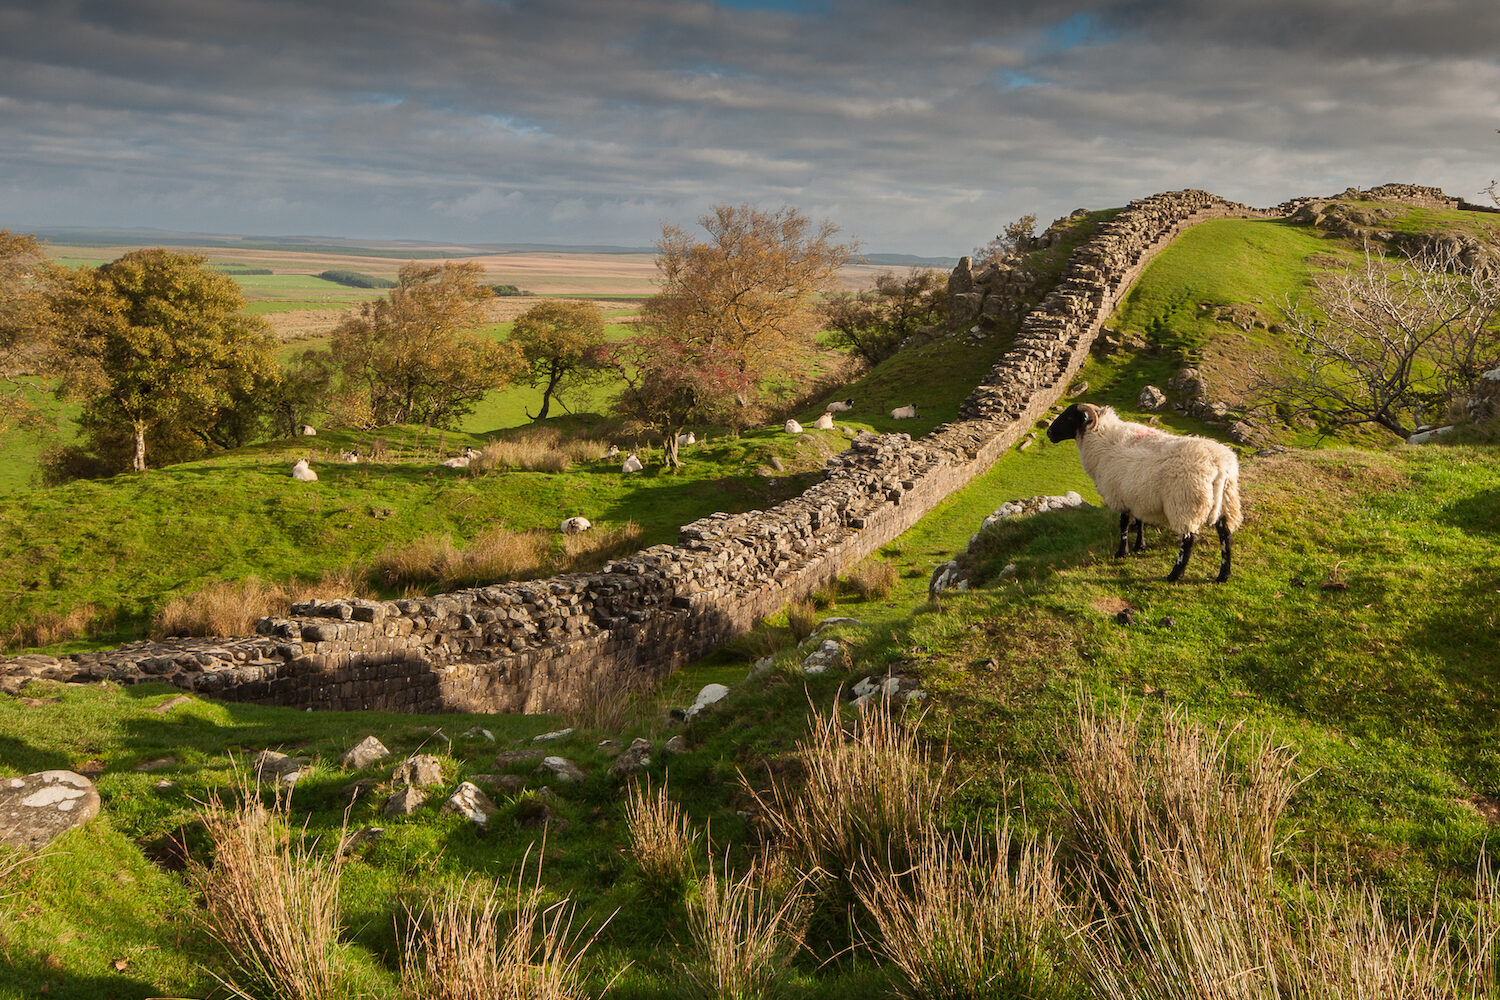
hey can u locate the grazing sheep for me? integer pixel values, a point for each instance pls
(907, 412)
(613, 451)
(306, 430)
(824, 422)
(350, 457)
(839, 405)
(688, 438)
(631, 463)
(301, 472)
(792, 427)
(574, 525)
(472, 453)
(1152, 476)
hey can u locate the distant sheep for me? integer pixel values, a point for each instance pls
(307, 430)
(631, 463)
(688, 438)
(351, 457)
(824, 422)
(839, 405)
(792, 427)
(460, 462)
(1152, 476)
(301, 471)
(613, 451)
(907, 412)
(575, 525)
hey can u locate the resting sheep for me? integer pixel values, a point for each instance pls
(302, 472)
(1151, 476)
(839, 405)
(907, 412)
(824, 422)
(349, 457)
(574, 525)
(792, 427)
(461, 462)
(614, 450)
(631, 463)
(307, 430)
(688, 438)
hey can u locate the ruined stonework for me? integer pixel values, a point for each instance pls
(546, 645)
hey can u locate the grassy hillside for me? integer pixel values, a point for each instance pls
(1352, 647)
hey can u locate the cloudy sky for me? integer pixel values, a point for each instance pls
(916, 127)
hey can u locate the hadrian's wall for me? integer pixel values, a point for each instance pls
(545, 645)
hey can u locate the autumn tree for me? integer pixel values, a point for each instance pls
(156, 345)
(873, 323)
(28, 283)
(670, 385)
(561, 343)
(1015, 240)
(749, 290)
(412, 356)
(1386, 341)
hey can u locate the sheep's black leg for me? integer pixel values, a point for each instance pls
(1182, 558)
(1124, 535)
(1140, 543)
(1224, 547)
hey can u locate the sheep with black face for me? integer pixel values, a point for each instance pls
(1152, 476)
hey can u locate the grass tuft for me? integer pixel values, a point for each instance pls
(662, 840)
(745, 930)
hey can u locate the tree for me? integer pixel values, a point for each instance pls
(669, 385)
(28, 284)
(874, 322)
(157, 342)
(748, 291)
(1015, 240)
(411, 356)
(561, 343)
(1387, 342)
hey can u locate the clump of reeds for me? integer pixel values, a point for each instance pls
(496, 554)
(487, 941)
(745, 930)
(662, 839)
(872, 580)
(271, 901)
(231, 607)
(49, 627)
(536, 449)
(976, 916)
(801, 619)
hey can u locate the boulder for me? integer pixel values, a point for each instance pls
(37, 807)
(1151, 399)
(405, 801)
(418, 771)
(364, 753)
(273, 767)
(561, 768)
(468, 801)
(710, 694)
(633, 760)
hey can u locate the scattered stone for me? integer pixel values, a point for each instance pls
(826, 622)
(559, 734)
(533, 813)
(561, 768)
(710, 694)
(405, 801)
(1125, 616)
(419, 771)
(948, 576)
(675, 745)
(434, 733)
(1167, 622)
(1151, 399)
(271, 766)
(171, 703)
(1078, 388)
(510, 758)
(510, 784)
(479, 734)
(610, 748)
(359, 838)
(39, 806)
(159, 764)
(1429, 435)
(363, 754)
(468, 801)
(892, 686)
(762, 666)
(165, 785)
(828, 654)
(633, 760)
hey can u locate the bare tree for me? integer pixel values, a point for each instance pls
(1386, 341)
(873, 323)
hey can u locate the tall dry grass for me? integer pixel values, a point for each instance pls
(745, 931)
(589, 550)
(872, 580)
(662, 840)
(537, 449)
(494, 942)
(230, 607)
(496, 554)
(872, 788)
(271, 902)
(51, 627)
(1176, 828)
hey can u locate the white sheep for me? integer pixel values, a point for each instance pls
(461, 462)
(688, 438)
(824, 422)
(307, 430)
(350, 457)
(574, 525)
(1152, 476)
(907, 412)
(839, 405)
(301, 471)
(631, 463)
(792, 427)
(614, 450)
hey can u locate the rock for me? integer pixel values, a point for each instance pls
(561, 768)
(468, 801)
(366, 752)
(710, 694)
(633, 760)
(477, 733)
(159, 764)
(171, 703)
(510, 758)
(404, 802)
(278, 768)
(1167, 622)
(763, 665)
(39, 806)
(1151, 399)
(891, 686)
(359, 838)
(1126, 616)
(1424, 437)
(510, 784)
(675, 745)
(559, 734)
(418, 771)
(534, 813)
(828, 654)
(826, 622)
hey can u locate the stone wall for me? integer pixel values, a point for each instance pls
(546, 645)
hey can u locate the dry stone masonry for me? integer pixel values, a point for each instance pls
(547, 645)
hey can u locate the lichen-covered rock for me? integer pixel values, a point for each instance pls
(561, 769)
(468, 801)
(37, 807)
(404, 801)
(419, 771)
(363, 754)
